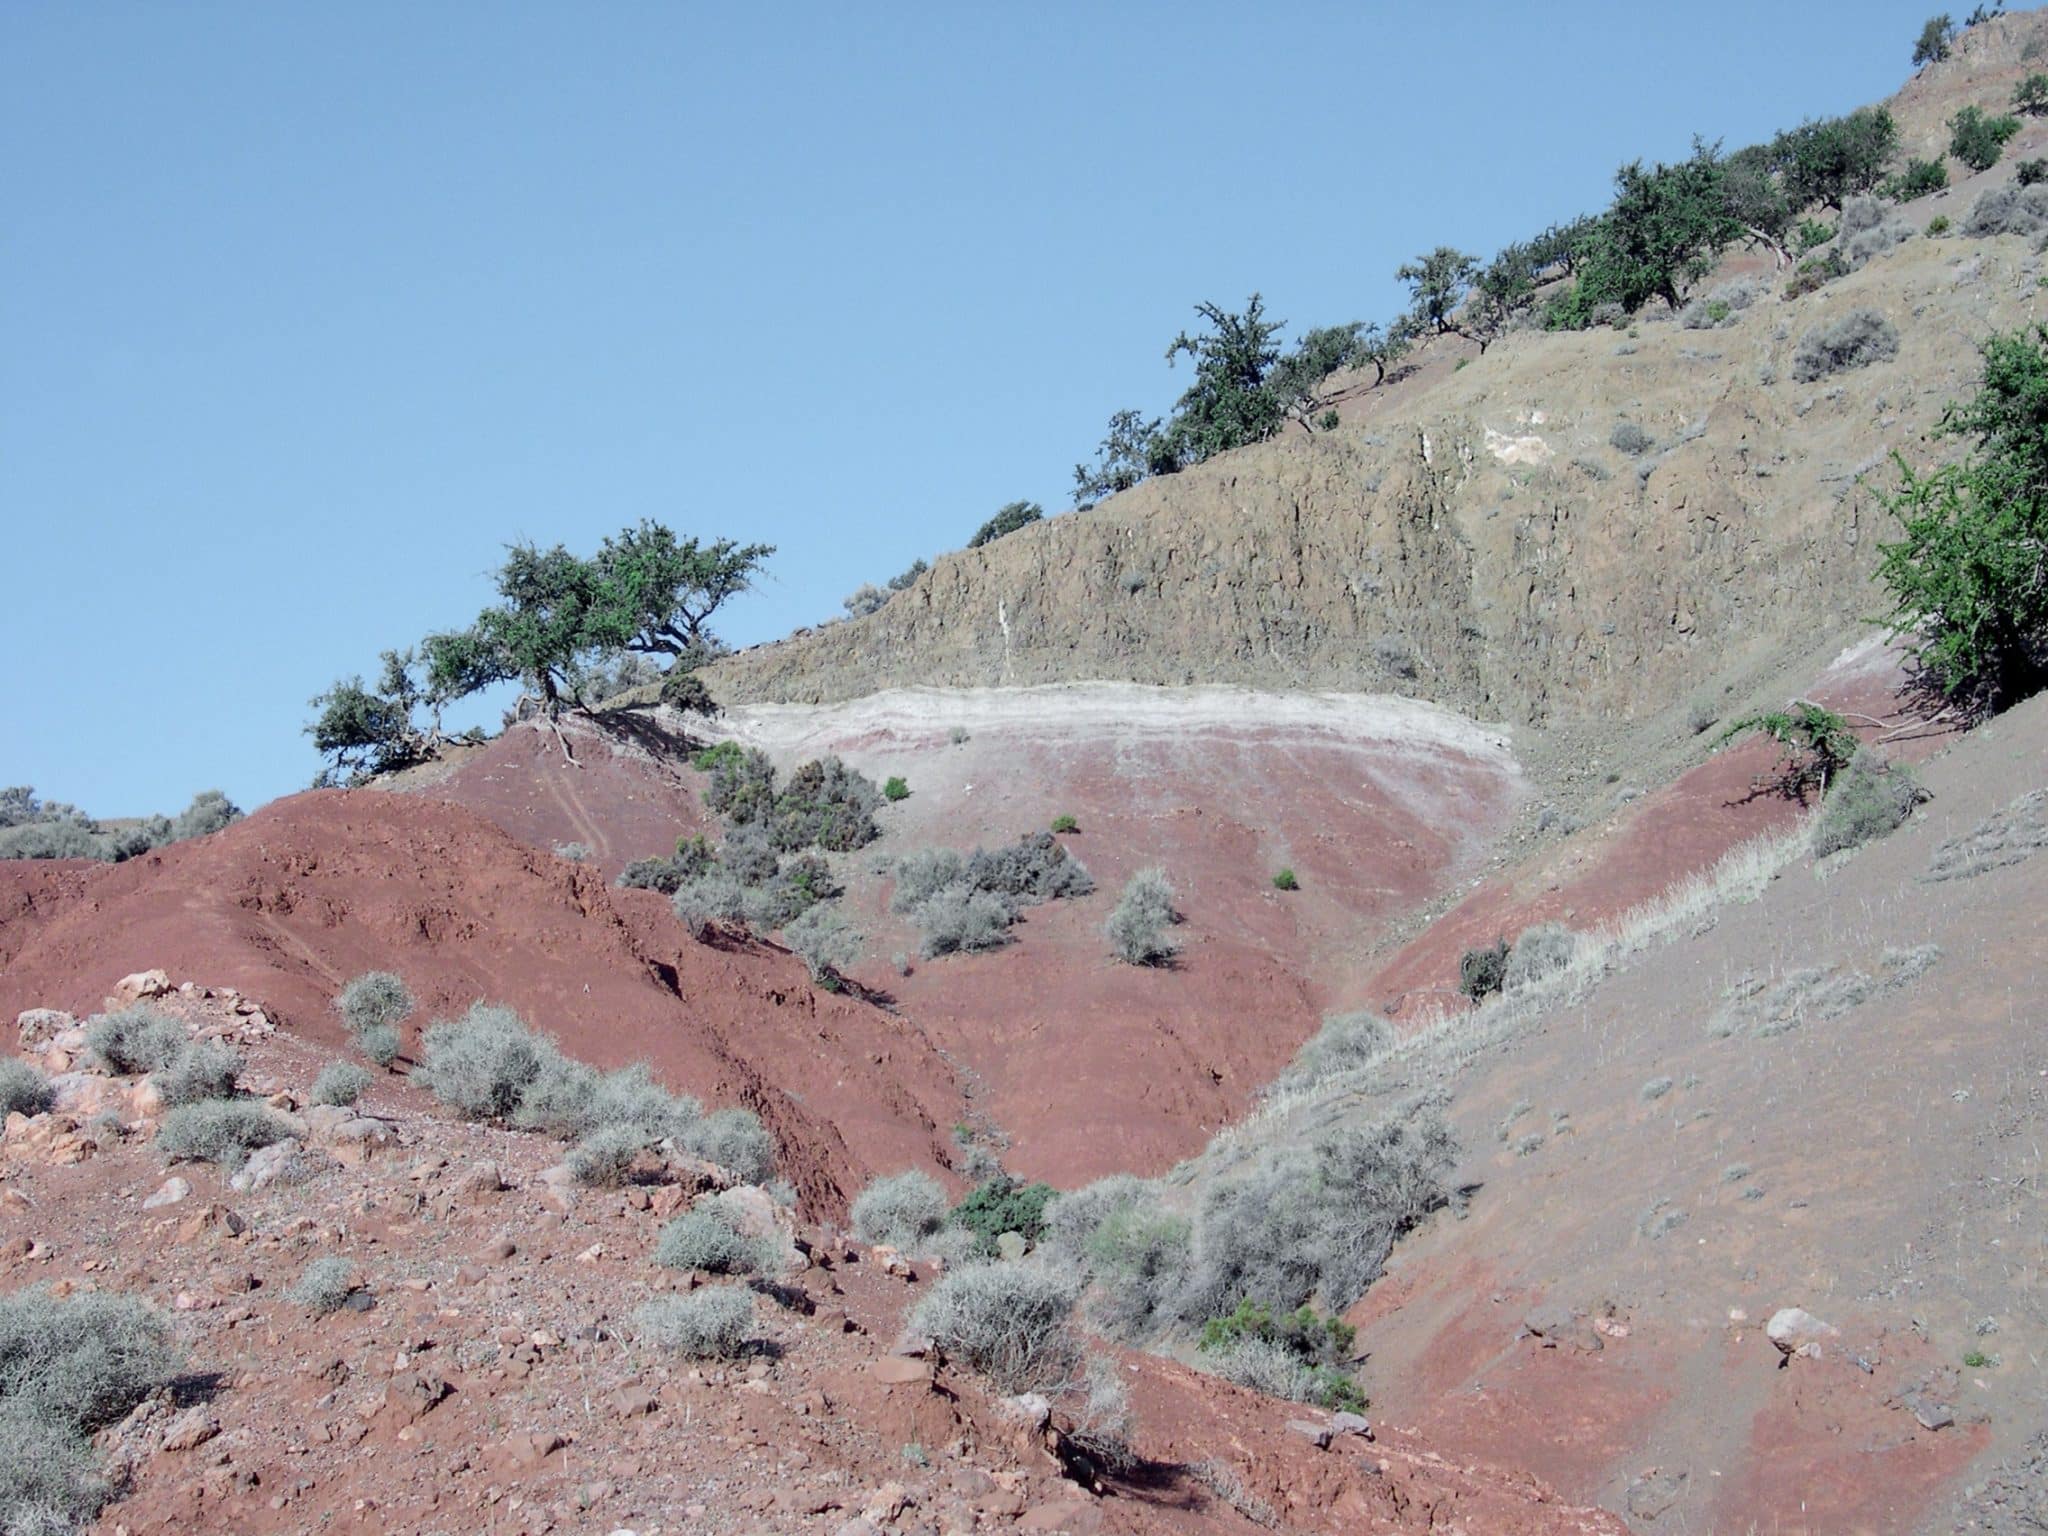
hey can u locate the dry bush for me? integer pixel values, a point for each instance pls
(374, 998)
(1137, 929)
(2008, 835)
(340, 1083)
(1870, 798)
(1010, 1322)
(219, 1131)
(712, 1324)
(325, 1286)
(204, 1069)
(24, 1088)
(904, 1210)
(705, 1238)
(135, 1039)
(1856, 340)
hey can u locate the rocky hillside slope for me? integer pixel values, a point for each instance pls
(1472, 534)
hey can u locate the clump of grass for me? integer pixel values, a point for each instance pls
(24, 1088)
(895, 789)
(222, 1131)
(1064, 823)
(705, 1238)
(1655, 1089)
(603, 1159)
(1010, 1322)
(136, 1039)
(1284, 880)
(340, 1083)
(325, 1286)
(204, 1069)
(903, 1210)
(711, 1324)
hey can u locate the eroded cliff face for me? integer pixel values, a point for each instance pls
(1471, 534)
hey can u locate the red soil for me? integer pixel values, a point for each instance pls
(290, 903)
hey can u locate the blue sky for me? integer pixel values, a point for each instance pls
(307, 311)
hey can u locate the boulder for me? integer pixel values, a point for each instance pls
(172, 1191)
(140, 986)
(897, 1371)
(1012, 1246)
(38, 1028)
(1798, 1332)
(266, 1164)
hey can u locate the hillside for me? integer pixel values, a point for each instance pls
(1713, 1205)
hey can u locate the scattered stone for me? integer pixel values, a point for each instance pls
(1654, 1493)
(895, 1371)
(480, 1179)
(1798, 1332)
(1930, 1413)
(1031, 1409)
(190, 1430)
(1352, 1424)
(38, 1028)
(266, 1165)
(141, 986)
(1316, 1434)
(170, 1192)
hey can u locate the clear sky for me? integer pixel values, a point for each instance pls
(306, 311)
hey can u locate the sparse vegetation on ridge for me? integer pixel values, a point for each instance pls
(33, 828)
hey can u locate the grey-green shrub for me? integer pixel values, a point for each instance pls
(340, 1083)
(135, 1039)
(921, 874)
(715, 896)
(735, 1140)
(379, 1042)
(1540, 953)
(825, 942)
(1317, 1221)
(1138, 1257)
(957, 920)
(1870, 798)
(222, 1131)
(84, 1360)
(603, 1159)
(1629, 438)
(570, 1099)
(372, 999)
(557, 1098)
(24, 1088)
(1856, 340)
(1346, 1042)
(1012, 1322)
(325, 1286)
(1137, 928)
(204, 1069)
(705, 1238)
(49, 1485)
(902, 1210)
(482, 1063)
(711, 1324)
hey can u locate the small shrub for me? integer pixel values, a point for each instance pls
(902, 1210)
(2031, 173)
(2030, 96)
(921, 875)
(1937, 226)
(962, 921)
(80, 1362)
(663, 875)
(1102, 1422)
(1856, 340)
(1035, 868)
(895, 789)
(325, 1285)
(372, 999)
(340, 1083)
(742, 787)
(705, 1238)
(958, 735)
(1000, 1204)
(1629, 438)
(1655, 1089)
(1869, 799)
(221, 1131)
(1811, 234)
(1482, 972)
(24, 1088)
(712, 897)
(1297, 1355)
(205, 1069)
(1015, 515)
(48, 1483)
(482, 1063)
(575, 853)
(826, 805)
(1540, 953)
(135, 1039)
(826, 943)
(2007, 210)
(711, 1324)
(1345, 1042)
(1138, 1255)
(1815, 273)
(1065, 824)
(603, 1159)
(1137, 929)
(683, 691)
(1919, 178)
(1010, 1322)
(1284, 880)
(735, 1140)
(379, 1042)
(1977, 140)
